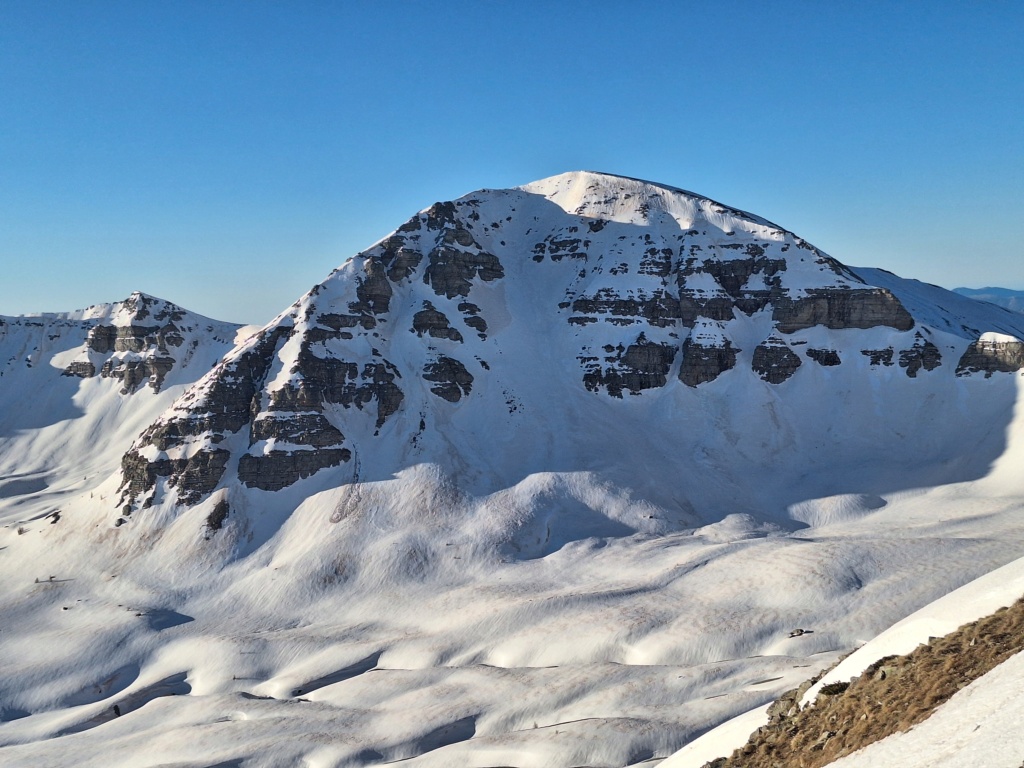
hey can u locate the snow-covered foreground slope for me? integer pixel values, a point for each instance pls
(930, 743)
(970, 602)
(980, 725)
(544, 478)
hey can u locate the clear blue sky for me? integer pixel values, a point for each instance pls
(228, 155)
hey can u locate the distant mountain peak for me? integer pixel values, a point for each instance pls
(1002, 297)
(137, 341)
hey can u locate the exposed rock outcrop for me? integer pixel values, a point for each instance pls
(639, 366)
(152, 369)
(703, 363)
(83, 369)
(471, 316)
(309, 429)
(450, 378)
(879, 356)
(648, 288)
(279, 469)
(225, 402)
(451, 271)
(659, 308)
(774, 361)
(428, 320)
(991, 356)
(744, 278)
(923, 354)
(323, 380)
(193, 477)
(140, 343)
(826, 357)
(839, 309)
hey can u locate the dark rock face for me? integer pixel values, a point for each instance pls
(373, 290)
(642, 365)
(562, 244)
(990, 357)
(747, 278)
(227, 404)
(199, 473)
(703, 363)
(923, 354)
(659, 309)
(340, 382)
(399, 260)
(746, 282)
(333, 359)
(163, 331)
(878, 356)
(452, 380)
(336, 321)
(133, 373)
(471, 316)
(708, 282)
(451, 271)
(135, 338)
(774, 361)
(478, 324)
(194, 477)
(696, 306)
(215, 520)
(310, 429)
(83, 369)
(838, 309)
(428, 320)
(102, 338)
(279, 469)
(825, 357)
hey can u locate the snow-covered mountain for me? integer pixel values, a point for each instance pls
(76, 386)
(544, 477)
(517, 334)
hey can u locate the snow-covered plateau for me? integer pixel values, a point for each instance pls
(546, 477)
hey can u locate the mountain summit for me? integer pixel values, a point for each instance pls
(75, 386)
(582, 323)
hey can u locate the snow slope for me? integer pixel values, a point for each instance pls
(980, 725)
(970, 602)
(931, 742)
(543, 478)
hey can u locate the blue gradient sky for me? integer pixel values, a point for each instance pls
(228, 155)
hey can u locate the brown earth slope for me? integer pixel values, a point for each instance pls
(890, 696)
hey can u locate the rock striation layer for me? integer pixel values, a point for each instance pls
(992, 355)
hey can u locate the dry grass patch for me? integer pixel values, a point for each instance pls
(890, 696)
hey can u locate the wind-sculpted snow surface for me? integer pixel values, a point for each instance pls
(546, 477)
